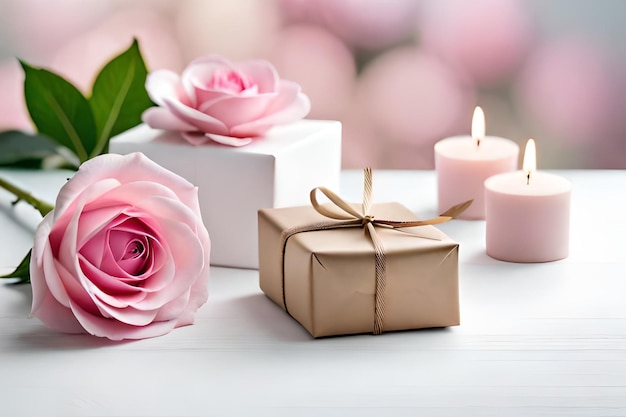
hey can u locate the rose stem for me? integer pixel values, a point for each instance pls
(41, 206)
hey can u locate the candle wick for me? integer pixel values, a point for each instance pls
(528, 178)
(478, 142)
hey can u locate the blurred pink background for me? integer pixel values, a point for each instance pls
(399, 74)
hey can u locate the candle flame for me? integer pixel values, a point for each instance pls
(478, 125)
(530, 159)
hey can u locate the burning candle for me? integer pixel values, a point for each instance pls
(463, 163)
(527, 214)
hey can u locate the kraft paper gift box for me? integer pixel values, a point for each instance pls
(326, 279)
(234, 183)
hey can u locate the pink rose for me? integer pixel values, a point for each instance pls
(124, 254)
(229, 103)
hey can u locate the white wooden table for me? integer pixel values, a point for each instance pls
(535, 339)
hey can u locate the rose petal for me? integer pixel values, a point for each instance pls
(79, 192)
(207, 98)
(262, 73)
(174, 309)
(56, 316)
(159, 207)
(76, 288)
(290, 105)
(94, 246)
(196, 138)
(187, 258)
(66, 255)
(229, 140)
(198, 295)
(42, 267)
(108, 289)
(162, 118)
(161, 84)
(199, 72)
(289, 95)
(119, 293)
(64, 272)
(201, 121)
(98, 252)
(124, 194)
(92, 222)
(236, 110)
(259, 76)
(127, 314)
(122, 169)
(188, 316)
(159, 279)
(116, 330)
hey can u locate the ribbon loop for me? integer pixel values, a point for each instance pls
(338, 201)
(366, 217)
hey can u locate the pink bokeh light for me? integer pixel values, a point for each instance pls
(13, 113)
(487, 39)
(238, 30)
(38, 27)
(413, 98)
(321, 64)
(361, 144)
(567, 89)
(368, 24)
(81, 59)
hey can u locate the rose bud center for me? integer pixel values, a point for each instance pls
(134, 249)
(131, 251)
(229, 81)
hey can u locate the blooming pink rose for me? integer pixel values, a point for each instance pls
(124, 254)
(229, 103)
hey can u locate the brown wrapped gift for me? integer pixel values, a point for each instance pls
(357, 274)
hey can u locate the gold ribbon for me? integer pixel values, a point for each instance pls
(353, 218)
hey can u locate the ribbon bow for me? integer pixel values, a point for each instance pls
(353, 218)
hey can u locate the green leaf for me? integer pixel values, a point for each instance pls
(22, 270)
(20, 148)
(119, 96)
(59, 110)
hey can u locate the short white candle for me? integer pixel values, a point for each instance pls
(463, 163)
(527, 214)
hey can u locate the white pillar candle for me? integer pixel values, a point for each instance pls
(527, 214)
(463, 163)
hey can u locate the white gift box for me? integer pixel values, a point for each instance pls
(278, 170)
